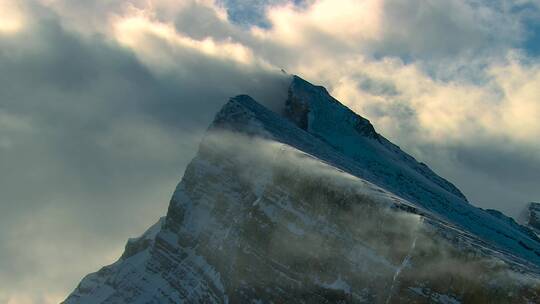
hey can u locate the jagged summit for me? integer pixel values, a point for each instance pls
(313, 109)
(307, 103)
(314, 206)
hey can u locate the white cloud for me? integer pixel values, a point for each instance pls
(346, 21)
(156, 43)
(520, 108)
(12, 18)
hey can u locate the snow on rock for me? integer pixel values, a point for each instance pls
(314, 206)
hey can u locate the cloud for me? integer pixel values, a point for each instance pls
(103, 104)
(144, 37)
(412, 30)
(442, 121)
(95, 137)
(251, 12)
(435, 29)
(11, 17)
(343, 22)
(503, 106)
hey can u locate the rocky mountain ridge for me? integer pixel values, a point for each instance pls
(312, 205)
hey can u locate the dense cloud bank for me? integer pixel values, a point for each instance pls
(102, 104)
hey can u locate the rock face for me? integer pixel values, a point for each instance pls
(314, 206)
(531, 217)
(534, 215)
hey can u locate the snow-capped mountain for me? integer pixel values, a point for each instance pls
(312, 205)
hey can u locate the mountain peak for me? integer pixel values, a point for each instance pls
(302, 207)
(312, 108)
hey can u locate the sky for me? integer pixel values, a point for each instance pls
(103, 102)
